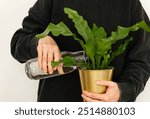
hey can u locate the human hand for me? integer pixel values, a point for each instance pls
(112, 93)
(48, 51)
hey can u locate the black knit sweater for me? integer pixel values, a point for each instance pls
(132, 68)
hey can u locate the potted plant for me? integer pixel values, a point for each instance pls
(97, 46)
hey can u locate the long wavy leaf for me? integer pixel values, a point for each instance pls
(123, 32)
(56, 30)
(80, 24)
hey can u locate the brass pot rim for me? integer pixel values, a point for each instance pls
(112, 68)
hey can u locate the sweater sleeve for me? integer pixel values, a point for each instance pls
(137, 64)
(24, 43)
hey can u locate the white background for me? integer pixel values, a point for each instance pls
(14, 84)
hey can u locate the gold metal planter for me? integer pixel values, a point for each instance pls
(88, 79)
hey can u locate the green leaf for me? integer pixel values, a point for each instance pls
(45, 33)
(120, 33)
(56, 30)
(60, 28)
(103, 46)
(142, 25)
(80, 24)
(90, 51)
(98, 32)
(123, 32)
(104, 64)
(54, 63)
(120, 50)
(69, 61)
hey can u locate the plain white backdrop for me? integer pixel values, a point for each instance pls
(14, 84)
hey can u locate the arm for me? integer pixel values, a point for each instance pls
(137, 66)
(136, 69)
(24, 44)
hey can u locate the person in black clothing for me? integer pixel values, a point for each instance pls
(132, 68)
